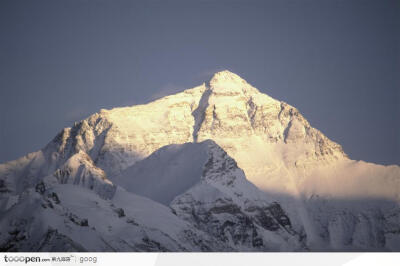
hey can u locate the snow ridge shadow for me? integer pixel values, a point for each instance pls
(199, 113)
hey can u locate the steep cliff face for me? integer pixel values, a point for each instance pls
(243, 169)
(224, 204)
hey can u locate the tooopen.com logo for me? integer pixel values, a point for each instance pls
(21, 259)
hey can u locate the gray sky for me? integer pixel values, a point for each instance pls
(338, 62)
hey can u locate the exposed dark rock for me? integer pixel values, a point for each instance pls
(151, 246)
(279, 214)
(54, 197)
(131, 221)
(120, 212)
(40, 188)
(78, 221)
(53, 241)
(232, 209)
(3, 187)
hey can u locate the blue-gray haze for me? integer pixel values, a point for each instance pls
(337, 61)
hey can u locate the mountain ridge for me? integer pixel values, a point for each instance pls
(312, 192)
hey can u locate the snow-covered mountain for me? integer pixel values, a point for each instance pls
(219, 167)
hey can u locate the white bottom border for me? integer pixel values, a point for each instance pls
(201, 259)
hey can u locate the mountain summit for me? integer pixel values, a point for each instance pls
(226, 81)
(225, 166)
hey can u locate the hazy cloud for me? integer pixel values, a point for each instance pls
(208, 73)
(77, 114)
(168, 89)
